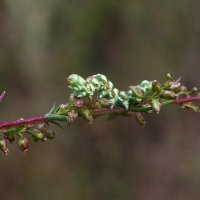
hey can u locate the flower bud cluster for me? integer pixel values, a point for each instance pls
(97, 94)
(42, 133)
(98, 87)
(100, 92)
(9, 135)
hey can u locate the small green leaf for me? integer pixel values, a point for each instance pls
(52, 109)
(57, 124)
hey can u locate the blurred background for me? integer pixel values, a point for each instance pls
(43, 42)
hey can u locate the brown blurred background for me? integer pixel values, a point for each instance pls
(43, 42)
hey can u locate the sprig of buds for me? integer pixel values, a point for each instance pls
(95, 96)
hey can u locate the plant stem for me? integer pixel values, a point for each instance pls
(21, 122)
(100, 111)
(187, 100)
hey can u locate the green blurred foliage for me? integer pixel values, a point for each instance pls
(42, 42)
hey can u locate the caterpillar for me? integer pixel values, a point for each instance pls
(100, 87)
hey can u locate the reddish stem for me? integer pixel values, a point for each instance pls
(5, 125)
(34, 120)
(187, 99)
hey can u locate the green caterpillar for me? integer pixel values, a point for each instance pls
(99, 86)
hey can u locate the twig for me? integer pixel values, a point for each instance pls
(100, 111)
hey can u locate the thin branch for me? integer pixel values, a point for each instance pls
(100, 111)
(95, 96)
(187, 100)
(21, 122)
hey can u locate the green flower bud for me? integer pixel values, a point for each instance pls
(156, 86)
(90, 89)
(146, 86)
(50, 134)
(132, 98)
(114, 93)
(123, 96)
(138, 92)
(38, 135)
(123, 99)
(183, 88)
(156, 105)
(109, 86)
(78, 85)
(23, 144)
(106, 89)
(102, 79)
(105, 102)
(169, 77)
(85, 112)
(168, 94)
(174, 86)
(113, 97)
(140, 119)
(4, 145)
(76, 81)
(72, 116)
(92, 80)
(194, 90)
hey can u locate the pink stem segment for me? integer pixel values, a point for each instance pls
(5, 125)
(21, 122)
(187, 99)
